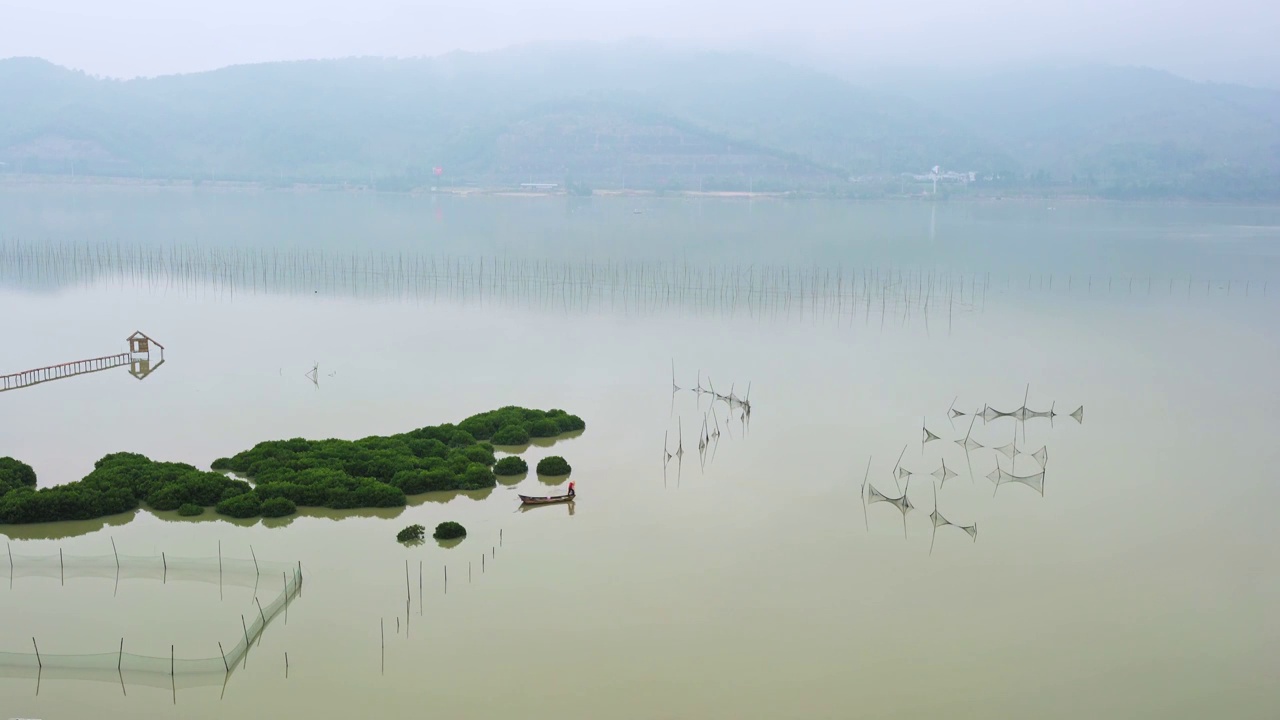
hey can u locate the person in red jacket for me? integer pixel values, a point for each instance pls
(571, 491)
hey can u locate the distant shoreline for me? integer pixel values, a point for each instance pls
(14, 180)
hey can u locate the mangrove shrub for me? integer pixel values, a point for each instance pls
(278, 507)
(413, 532)
(15, 474)
(449, 530)
(511, 465)
(553, 465)
(190, 510)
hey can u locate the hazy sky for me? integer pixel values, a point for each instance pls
(1225, 39)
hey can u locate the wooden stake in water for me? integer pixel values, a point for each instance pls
(171, 662)
(286, 664)
(165, 578)
(408, 595)
(245, 627)
(264, 620)
(39, 662)
(120, 657)
(224, 656)
(114, 552)
(255, 561)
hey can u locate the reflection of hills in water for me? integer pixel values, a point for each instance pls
(624, 286)
(1000, 451)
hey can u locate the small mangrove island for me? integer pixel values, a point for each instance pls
(283, 475)
(411, 533)
(553, 466)
(449, 530)
(510, 465)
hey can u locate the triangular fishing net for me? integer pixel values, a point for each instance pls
(944, 473)
(1078, 414)
(939, 521)
(1041, 456)
(989, 413)
(1024, 413)
(969, 444)
(902, 502)
(1035, 482)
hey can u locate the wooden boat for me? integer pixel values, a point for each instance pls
(546, 499)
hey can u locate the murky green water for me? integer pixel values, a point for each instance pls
(743, 581)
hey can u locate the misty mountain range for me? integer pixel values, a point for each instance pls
(639, 116)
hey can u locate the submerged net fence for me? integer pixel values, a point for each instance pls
(217, 570)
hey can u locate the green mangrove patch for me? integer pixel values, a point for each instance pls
(449, 530)
(373, 472)
(411, 533)
(511, 465)
(553, 466)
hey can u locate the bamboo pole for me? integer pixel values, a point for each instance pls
(244, 626)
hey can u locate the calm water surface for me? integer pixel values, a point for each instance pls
(748, 580)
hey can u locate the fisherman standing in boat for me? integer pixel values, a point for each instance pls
(571, 491)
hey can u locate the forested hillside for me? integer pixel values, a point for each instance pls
(644, 117)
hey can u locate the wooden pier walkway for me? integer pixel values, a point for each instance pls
(28, 378)
(138, 360)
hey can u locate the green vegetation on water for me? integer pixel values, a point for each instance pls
(411, 533)
(553, 466)
(278, 507)
(449, 530)
(511, 465)
(119, 483)
(190, 510)
(286, 474)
